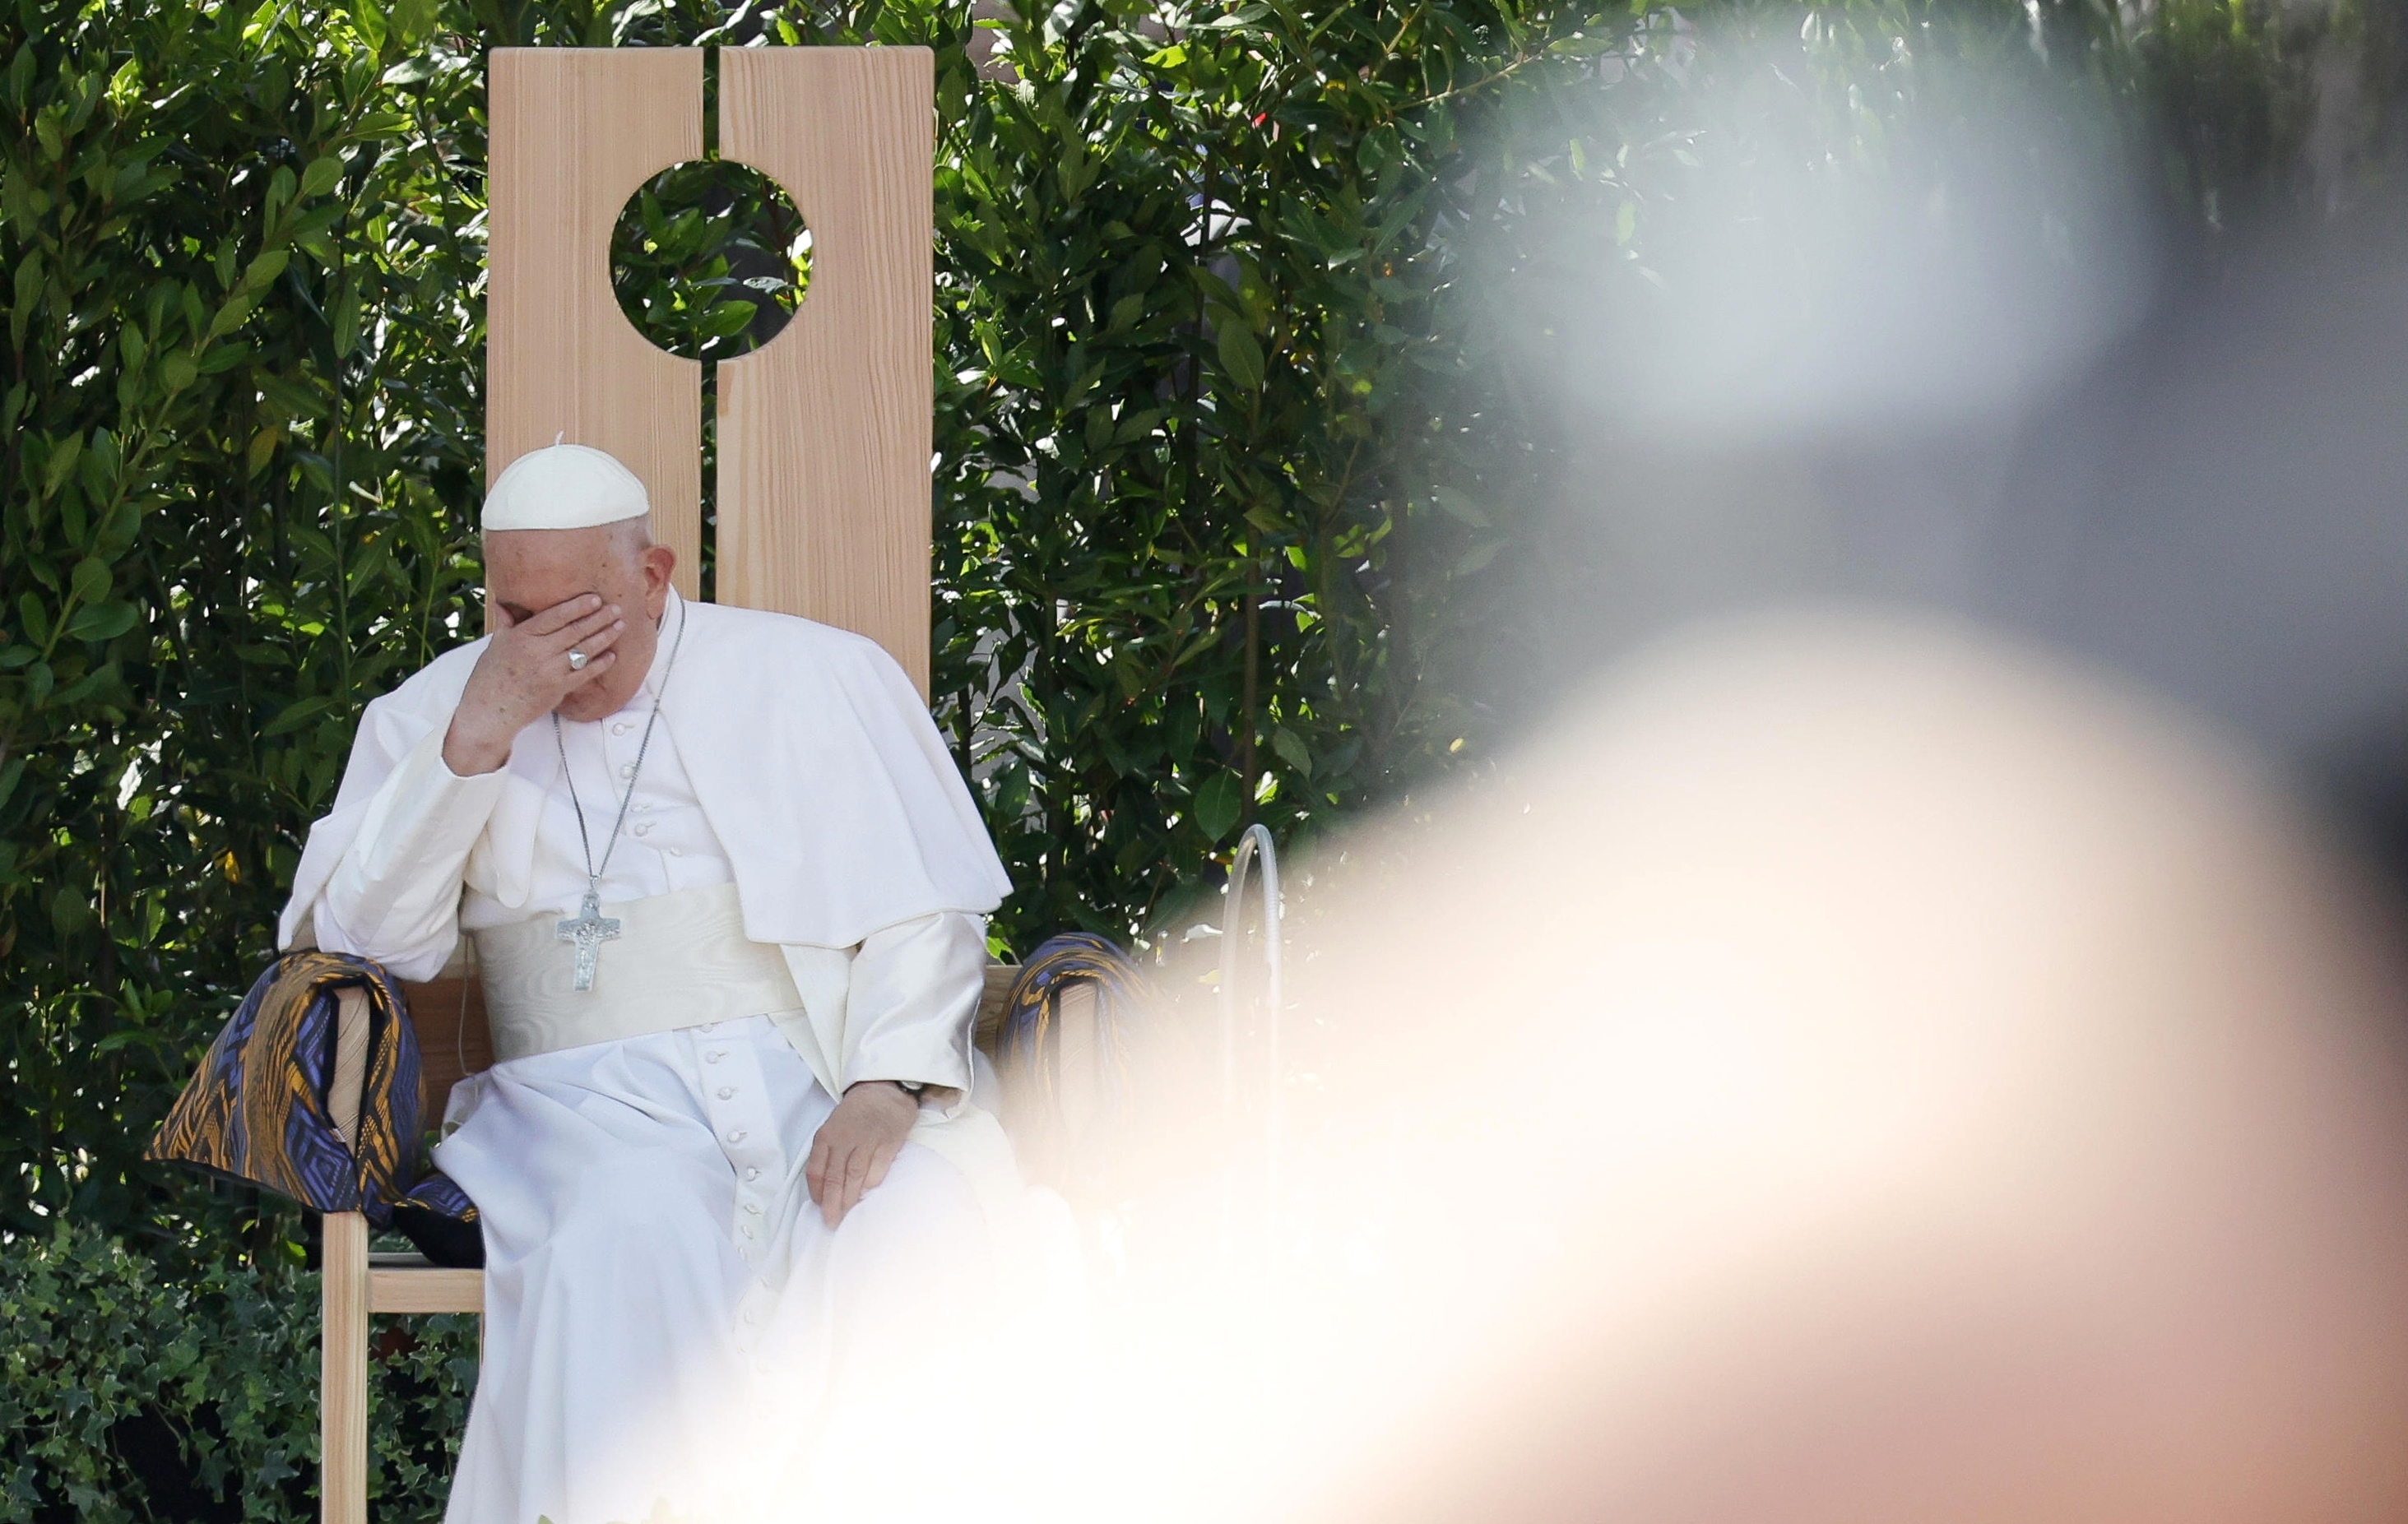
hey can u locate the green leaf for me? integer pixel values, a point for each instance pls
(103, 621)
(230, 315)
(266, 267)
(1291, 747)
(1241, 358)
(344, 320)
(378, 125)
(728, 319)
(297, 714)
(70, 910)
(91, 581)
(414, 19)
(281, 186)
(1217, 804)
(63, 459)
(321, 175)
(262, 447)
(1460, 507)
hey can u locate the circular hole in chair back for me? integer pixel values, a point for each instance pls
(709, 259)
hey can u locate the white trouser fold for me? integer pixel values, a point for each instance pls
(680, 959)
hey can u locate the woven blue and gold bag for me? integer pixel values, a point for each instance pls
(311, 1091)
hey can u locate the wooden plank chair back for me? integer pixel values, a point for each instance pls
(823, 507)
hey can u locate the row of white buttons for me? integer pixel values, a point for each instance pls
(735, 1136)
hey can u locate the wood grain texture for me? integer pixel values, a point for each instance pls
(426, 1288)
(575, 132)
(448, 1014)
(986, 1028)
(343, 1370)
(825, 432)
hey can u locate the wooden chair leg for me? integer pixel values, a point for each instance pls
(343, 1372)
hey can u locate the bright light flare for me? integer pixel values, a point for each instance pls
(1846, 1071)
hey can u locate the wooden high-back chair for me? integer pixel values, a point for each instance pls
(824, 504)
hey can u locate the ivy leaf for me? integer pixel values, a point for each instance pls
(1217, 804)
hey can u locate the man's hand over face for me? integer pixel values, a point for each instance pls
(524, 674)
(856, 1144)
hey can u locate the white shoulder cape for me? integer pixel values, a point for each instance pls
(811, 754)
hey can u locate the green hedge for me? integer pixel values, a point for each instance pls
(1204, 438)
(126, 1393)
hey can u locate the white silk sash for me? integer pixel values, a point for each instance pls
(680, 959)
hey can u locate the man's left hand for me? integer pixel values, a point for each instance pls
(856, 1144)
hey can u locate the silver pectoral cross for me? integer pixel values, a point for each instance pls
(589, 929)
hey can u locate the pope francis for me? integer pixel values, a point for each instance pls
(726, 891)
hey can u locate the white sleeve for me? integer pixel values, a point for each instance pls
(914, 997)
(394, 894)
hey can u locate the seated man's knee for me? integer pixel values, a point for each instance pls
(923, 1205)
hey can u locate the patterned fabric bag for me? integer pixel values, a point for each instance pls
(311, 1091)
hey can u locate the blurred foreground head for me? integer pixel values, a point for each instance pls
(1846, 1072)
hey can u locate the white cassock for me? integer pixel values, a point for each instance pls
(671, 1330)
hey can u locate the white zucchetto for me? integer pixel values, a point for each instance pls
(564, 487)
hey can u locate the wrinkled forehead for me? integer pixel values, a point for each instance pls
(536, 568)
